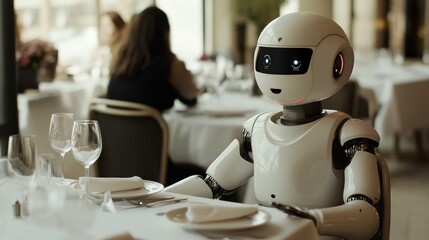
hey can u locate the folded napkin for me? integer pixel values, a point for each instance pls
(104, 184)
(201, 213)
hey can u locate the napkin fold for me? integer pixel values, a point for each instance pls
(201, 213)
(104, 184)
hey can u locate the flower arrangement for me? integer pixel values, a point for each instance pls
(32, 53)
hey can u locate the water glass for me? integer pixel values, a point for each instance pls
(60, 131)
(86, 146)
(21, 154)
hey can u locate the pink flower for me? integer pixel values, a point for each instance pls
(31, 53)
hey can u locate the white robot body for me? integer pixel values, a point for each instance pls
(308, 157)
(284, 173)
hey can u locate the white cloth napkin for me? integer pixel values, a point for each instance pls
(104, 184)
(200, 213)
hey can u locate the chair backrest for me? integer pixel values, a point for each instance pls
(368, 104)
(135, 140)
(384, 205)
(345, 100)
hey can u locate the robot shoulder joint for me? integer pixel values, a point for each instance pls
(357, 128)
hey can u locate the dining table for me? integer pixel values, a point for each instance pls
(199, 134)
(78, 219)
(401, 92)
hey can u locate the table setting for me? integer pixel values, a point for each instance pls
(155, 214)
(35, 196)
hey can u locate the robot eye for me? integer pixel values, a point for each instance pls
(338, 66)
(266, 61)
(296, 64)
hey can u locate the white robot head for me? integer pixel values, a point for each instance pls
(302, 58)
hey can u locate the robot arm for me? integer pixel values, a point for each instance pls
(357, 218)
(224, 175)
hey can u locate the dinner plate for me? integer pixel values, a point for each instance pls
(257, 219)
(150, 187)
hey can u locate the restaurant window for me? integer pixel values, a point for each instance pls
(72, 26)
(186, 22)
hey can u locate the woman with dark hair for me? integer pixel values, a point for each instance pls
(145, 70)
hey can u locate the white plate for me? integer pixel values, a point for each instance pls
(253, 220)
(150, 187)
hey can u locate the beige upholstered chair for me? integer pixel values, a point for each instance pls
(135, 140)
(384, 205)
(345, 100)
(354, 100)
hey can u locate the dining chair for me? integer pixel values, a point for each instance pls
(384, 205)
(135, 140)
(357, 101)
(345, 100)
(368, 106)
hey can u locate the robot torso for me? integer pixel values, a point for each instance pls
(293, 164)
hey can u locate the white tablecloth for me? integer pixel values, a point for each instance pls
(199, 136)
(140, 222)
(403, 95)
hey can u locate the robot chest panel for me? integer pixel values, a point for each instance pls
(298, 171)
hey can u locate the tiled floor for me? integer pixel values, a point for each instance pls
(409, 188)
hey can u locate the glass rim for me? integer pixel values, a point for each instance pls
(86, 121)
(26, 135)
(63, 114)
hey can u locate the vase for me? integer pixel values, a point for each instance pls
(27, 79)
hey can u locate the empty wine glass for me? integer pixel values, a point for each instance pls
(21, 154)
(86, 147)
(60, 131)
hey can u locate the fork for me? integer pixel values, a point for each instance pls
(156, 202)
(143, 202)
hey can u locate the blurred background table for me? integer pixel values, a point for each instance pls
(200, 134)
(402, 93)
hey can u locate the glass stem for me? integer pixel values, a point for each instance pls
(62, 168)
(87, 181)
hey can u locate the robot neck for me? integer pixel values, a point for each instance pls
(301, 114)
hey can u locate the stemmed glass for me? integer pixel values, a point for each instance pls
(86, 147)
(21, 154)
(60, 131)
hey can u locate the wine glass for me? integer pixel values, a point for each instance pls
(60, 131)
(86, 147)
(21, 154)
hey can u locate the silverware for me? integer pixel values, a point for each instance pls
(155, 202)
(144, 201)
(159, 203)
(294, 211)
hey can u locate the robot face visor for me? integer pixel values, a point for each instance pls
(283, 61)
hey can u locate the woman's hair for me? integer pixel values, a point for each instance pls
(146, 40)
(116, 19)
(119, 24)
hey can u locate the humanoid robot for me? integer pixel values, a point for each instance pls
(322, 161)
